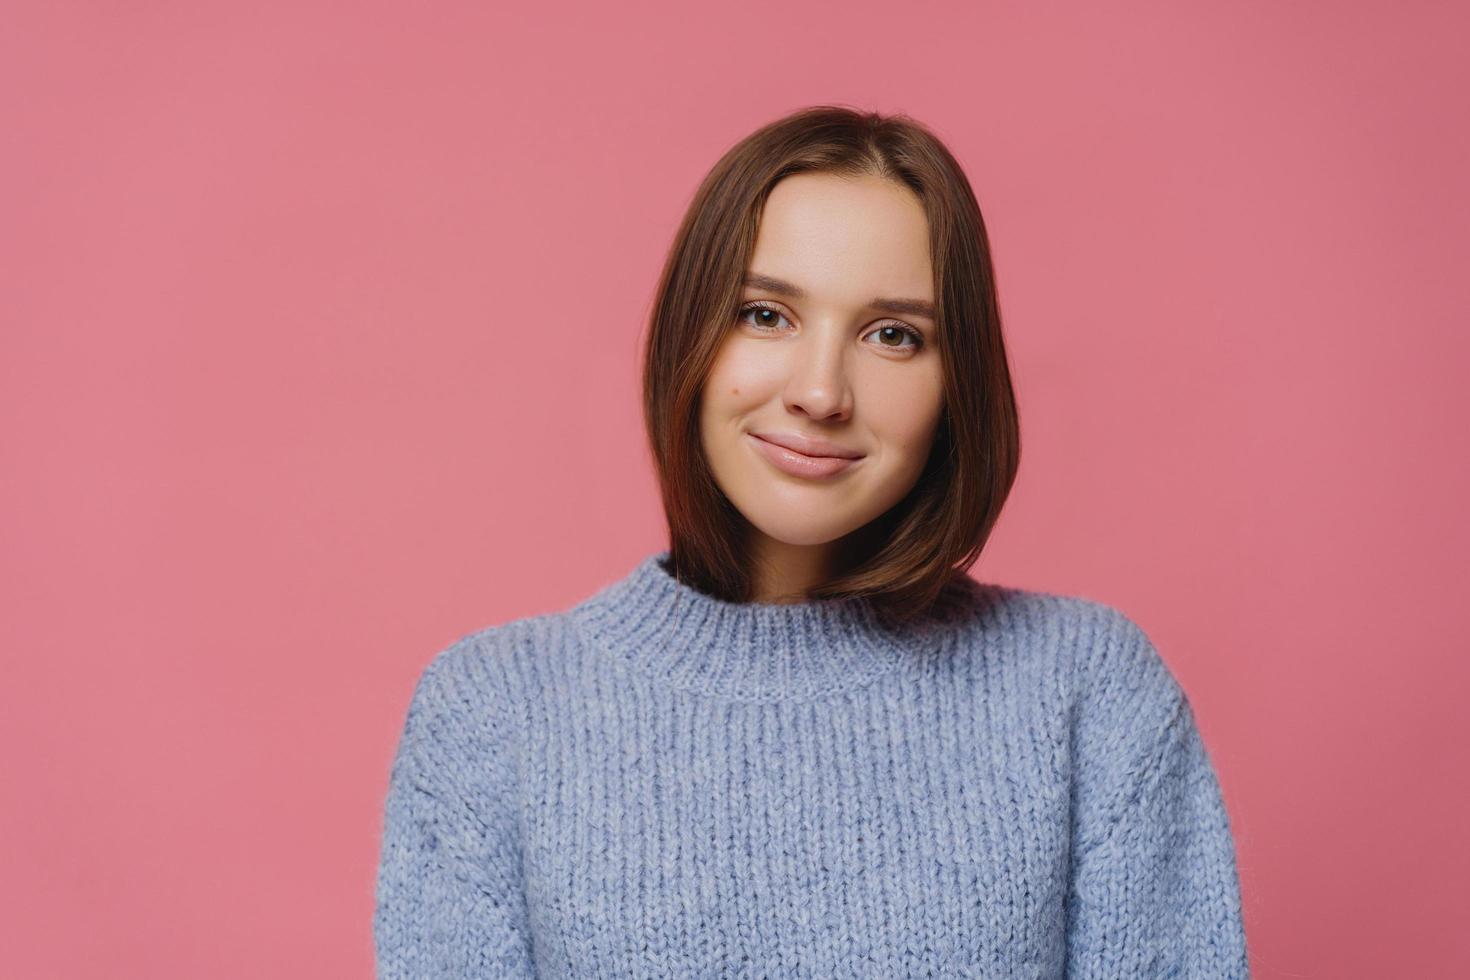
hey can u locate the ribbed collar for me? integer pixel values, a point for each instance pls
(755, 650)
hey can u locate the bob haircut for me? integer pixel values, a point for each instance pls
(904, 558)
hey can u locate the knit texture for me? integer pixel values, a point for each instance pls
(658, 783)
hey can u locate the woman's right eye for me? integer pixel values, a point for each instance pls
(766, 316)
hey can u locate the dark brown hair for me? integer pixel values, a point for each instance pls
(904, 558)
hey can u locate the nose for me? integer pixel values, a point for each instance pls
(817, 382)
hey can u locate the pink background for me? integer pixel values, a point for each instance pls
(320, 337)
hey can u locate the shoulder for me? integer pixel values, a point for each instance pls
(492, 660)
(1119, 668)
(494, 674)
(1107, 655)
(1125, 704)
(468, 692)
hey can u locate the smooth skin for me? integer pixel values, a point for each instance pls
(829, 364)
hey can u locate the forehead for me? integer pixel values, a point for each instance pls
(846, 239)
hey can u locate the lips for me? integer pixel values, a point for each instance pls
(808, 445)
(798, 464)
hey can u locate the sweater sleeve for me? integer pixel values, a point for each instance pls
(1154, 890)
(449, 897)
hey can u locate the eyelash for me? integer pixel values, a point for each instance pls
(917, 337)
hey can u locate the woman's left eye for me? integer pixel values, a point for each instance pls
(899, 331)
(888, 331)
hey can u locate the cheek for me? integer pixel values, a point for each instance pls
(720, 401)
(910, 408)
(738, 377)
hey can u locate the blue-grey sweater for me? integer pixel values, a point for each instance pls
(659, 783)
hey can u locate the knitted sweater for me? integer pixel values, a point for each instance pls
(658, 783)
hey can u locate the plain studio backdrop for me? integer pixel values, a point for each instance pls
(319, 334)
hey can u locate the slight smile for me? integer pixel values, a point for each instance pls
(793, 463)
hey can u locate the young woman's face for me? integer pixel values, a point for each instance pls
(815, 354)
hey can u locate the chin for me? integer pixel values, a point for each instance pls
(802, 530)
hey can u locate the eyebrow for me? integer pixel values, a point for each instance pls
(912, 307)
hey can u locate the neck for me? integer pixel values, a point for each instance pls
(767, 651)
(784, 572)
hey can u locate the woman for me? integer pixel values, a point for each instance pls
(801, 741)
